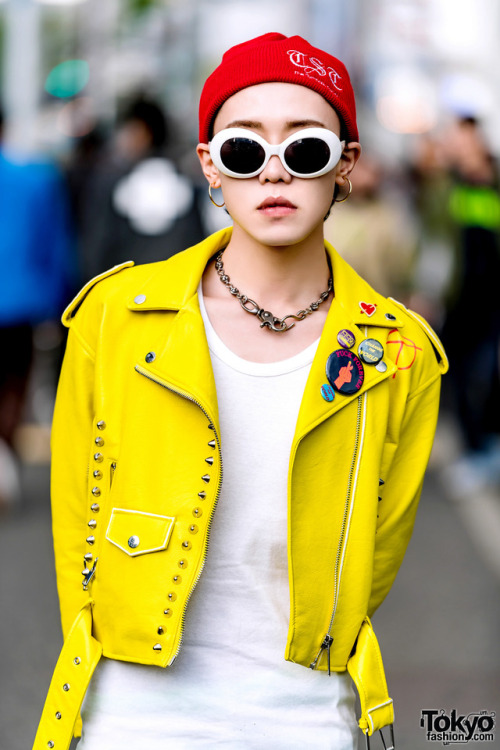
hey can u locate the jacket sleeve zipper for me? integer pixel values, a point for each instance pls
(88, 575)
(328, 639)
(186, 396)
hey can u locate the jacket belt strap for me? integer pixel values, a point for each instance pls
(81, 654)
(75, 666)
(367, 671)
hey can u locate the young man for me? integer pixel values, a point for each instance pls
(260, 349)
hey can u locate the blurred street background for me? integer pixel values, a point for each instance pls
(98, 124)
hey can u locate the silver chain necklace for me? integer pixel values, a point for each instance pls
(267, 318)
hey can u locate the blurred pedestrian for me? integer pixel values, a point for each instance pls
(429, 183)
(133, 203)
(170, 369)
(473, 347)
(37, 261)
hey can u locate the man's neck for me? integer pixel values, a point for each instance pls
(278, 277)
(282, 280)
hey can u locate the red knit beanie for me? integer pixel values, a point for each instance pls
(274, 57)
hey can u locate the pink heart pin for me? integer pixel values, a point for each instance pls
(368, 308)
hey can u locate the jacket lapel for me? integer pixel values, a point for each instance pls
(184, 362)
(182, 358)
(346, 312)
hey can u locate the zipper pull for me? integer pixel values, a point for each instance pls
(88, 575)
(327, 642)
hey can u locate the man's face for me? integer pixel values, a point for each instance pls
(276, 208)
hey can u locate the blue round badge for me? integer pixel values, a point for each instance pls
(345, 371)
(327, 392)
(346, 338)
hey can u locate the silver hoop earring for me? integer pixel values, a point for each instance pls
(219, 205)
(348, 192)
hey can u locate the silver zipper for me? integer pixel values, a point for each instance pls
(185, 395)
(328, 639)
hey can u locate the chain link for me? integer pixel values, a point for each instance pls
(267, 319)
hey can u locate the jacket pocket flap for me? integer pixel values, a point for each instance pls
(137, 533)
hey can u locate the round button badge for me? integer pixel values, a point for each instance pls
(327, 392)
(371, 351)
(345, 371)
(346, 338)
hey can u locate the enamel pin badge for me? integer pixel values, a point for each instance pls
(368, 308)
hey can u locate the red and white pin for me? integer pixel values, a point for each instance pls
(368, 308)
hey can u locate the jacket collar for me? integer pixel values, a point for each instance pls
(172, 286)
(175, 281)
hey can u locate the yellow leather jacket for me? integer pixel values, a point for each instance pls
(137, 464)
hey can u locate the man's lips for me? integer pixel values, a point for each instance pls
(276, 204)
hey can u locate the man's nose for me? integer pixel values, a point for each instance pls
(275, 171)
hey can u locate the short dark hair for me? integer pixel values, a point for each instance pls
(469, 120)
(152, 114)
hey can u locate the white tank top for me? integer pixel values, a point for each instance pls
(230, 686)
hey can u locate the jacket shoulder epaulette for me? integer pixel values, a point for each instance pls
(437, 346)
(73, 306)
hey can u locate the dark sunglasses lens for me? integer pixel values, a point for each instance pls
(242, 155)
(307, 155)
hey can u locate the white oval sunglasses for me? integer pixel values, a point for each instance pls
(241, 153)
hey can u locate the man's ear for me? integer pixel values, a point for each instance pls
(350, 156)
(208, 167)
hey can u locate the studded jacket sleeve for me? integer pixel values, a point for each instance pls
(71, 437)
